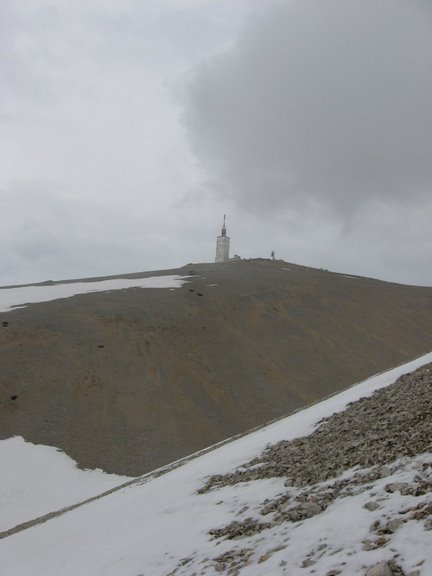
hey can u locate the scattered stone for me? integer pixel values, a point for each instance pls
(368, 545)
(233, 560)
(14, 396)
(269, 553)
(401, 487)
(336, 551)
(385, 568)
(273, 505)
(380, 569)
(394, 524)
(237, 529)
(306, 563)
(422, 511)
(371, 506)
(242, 510)
(428, 524)
(374, 544)
(300, 512)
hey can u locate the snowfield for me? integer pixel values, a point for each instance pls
(36, 480)
(159, 525)
(21, 296)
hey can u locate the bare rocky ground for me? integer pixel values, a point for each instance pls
(130, 380)
(380, 447)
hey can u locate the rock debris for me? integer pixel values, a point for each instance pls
(395, 421)
(372, 436)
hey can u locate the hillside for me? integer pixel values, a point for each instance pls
(130, 379)
(342, 488)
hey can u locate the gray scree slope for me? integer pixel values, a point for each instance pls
(133, 379)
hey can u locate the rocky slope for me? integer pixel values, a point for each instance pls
(130, 380)
(355, 455)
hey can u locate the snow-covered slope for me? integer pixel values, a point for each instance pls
(161, 525)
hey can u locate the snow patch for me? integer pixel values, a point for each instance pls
(20, 297)
(37, 479)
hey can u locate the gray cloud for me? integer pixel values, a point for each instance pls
(318, 109)
(94, 160)
(48, 232)
(321, 108)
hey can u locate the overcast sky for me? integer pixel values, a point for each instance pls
(127, 130)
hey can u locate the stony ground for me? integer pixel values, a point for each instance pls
(365, 450)
(396, 421)
(159, 374)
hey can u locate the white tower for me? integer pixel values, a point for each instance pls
(222, 245)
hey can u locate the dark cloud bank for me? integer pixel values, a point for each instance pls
(324, 110)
